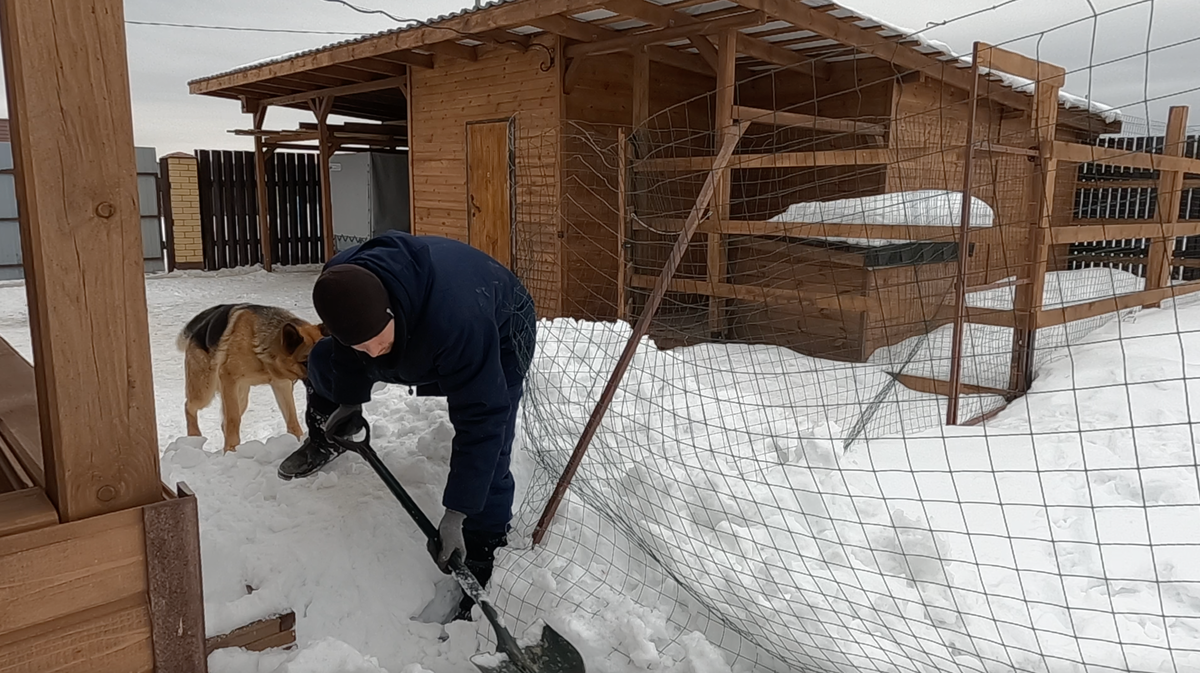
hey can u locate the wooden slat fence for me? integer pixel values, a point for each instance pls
(1096, 201)
(229, 208)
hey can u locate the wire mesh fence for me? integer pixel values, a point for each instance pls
(774, 484)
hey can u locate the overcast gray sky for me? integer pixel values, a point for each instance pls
(163, 59)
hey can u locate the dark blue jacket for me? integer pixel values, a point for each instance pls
(465, 329)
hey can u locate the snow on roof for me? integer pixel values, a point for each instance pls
(925, 45)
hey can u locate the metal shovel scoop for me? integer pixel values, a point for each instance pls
(552, 654)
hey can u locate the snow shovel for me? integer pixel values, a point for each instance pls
(552, 654)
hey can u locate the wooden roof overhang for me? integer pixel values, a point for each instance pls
(367, 74)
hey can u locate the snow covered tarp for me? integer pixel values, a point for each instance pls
(926, 207)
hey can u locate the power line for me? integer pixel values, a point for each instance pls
(245, 29)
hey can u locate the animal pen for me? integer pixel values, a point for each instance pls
(754, 174)
(874, 184)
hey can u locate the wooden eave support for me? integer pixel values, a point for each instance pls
(321, 108)
(347, 90)
(656, 37)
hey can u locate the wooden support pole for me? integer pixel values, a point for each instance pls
(260, 179)
(641, 88)
(964, 233)
(623, 237)
(76, 182)
(717, 254)
(321, 108)
(1030, 295)
(1170, 193)
(639, 330)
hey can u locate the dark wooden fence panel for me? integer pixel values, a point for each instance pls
(1094, 200)
(229, 208)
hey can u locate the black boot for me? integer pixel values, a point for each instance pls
(481, 561)
(316, 451)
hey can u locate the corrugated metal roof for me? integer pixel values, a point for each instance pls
(929, 47)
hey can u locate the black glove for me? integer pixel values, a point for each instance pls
(347, 421)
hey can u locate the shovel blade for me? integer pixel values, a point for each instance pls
(552, 654)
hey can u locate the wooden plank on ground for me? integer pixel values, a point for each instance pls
(922, 384)
(172, 530)
(263, 634)
(25, 510)
(75, 172)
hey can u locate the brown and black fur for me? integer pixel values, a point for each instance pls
(231, 347)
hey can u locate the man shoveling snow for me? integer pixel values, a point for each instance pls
(446, 318)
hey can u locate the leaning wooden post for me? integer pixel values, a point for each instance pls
(640, 329)
(321, 108)
(76, 182)
(260, 184)
(1170, 193)
(622, 226)
(964, 234)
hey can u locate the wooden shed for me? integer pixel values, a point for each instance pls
(571, 138)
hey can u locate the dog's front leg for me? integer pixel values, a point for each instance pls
(235, 395)
(287, 404)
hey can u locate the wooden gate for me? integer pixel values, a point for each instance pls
(229, 208)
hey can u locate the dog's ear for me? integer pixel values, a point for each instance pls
(292, 339)
(324, 329)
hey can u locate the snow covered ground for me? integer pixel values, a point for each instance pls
(718, 523)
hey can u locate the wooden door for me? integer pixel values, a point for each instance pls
(489, 189)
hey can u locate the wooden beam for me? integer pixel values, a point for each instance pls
(1169, 195)
(24, 510)
(826, 124)
(260, 635)
(320, 108)
(453, 49)
(815, 229)
(81, 238)
(871, 42)
(1077, 153)
(641, 89)
(725, 97)
(571, 28)
(850, 301)
(706, 49)
(643, 39)
(505, 40)
(1118, 231)
(349, 89)
(1059, 316)
(869, 157)
(678, 59)
(765, 51)
(1003, 60)
(260, 191)
(409, 58)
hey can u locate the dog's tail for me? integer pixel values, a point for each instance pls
(204, 331)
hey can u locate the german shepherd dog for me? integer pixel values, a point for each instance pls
(236, 346)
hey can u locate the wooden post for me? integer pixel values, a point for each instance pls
(641, 87)
(639, 330)
(727, 56)
(76, 183)
(260, 173)
(622, 227)
(964, 234)
(1170, 192)
(321, 107)
(1030, 294)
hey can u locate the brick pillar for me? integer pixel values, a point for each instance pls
(183, 211)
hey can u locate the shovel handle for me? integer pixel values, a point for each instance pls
(363, 448)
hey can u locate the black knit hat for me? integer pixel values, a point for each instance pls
(352, 303)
